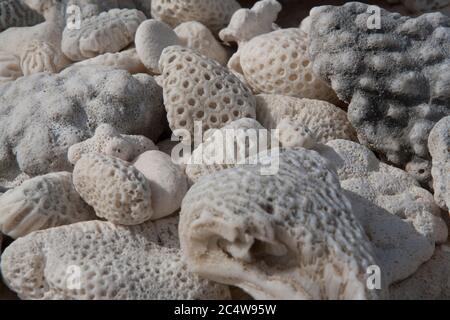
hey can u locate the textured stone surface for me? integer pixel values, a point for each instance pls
(99, 260)
(110, 142)
(325, 120)
(42, 115)
(396, 78)
(197, 88)
(196, 36)
(41, 203)
(246, 24)
(286, 236)
(107, 32)
(215, 14)
(439, 145)
(114, 188)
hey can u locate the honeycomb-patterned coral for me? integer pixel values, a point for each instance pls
(396, 78)
(278, 63)
(215, 14)
(117, 190)
(197, 88)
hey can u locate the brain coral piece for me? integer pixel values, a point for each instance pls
(152, 37)
(439, 145)
(215, 141)
(41, 203)
(246, 24)
(9, 67)
(100, 260)
(395, 78)
(325, 120)
(197, 88)
(167, 182)
(42, 115)
(15, 13)
(430, 282)
(196, 36)
(126, 60)
(107, 32)
(388, 187)
(278, 63)
(287, 236)
(118, 191)
(39, 46)
(215, 14)
(110, 142)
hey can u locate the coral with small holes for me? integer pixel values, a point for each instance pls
(98, 260)
(197, 88)
(114, 188)
(215, 14)
(278, 63)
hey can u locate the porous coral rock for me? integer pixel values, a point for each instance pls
(325, 120)
(278, 63)
(115, 189)
(246, 24)
(197, 88)
(42, 115)
(15, 13)
(395, 78)
(9, 67)
(108, 141)
(196, 36)
(126, 60)
(215, 14)
(439, 146)
(214, 154)
(41, 203)
(39, 46)
(291, 235)
(294, 135)
(100, 260)
(167, 182)
(107, 32)
(152, 37)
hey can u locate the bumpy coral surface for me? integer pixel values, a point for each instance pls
(114, 188)
(99, 260)
(287, 236)
(107, 32)
(395, 78)
(197, 88)
(278, 63)
(196, 36)
(41, 203)
(215, 14)
(325, 120)
(42, 115)
(439, 145)
(108, 141)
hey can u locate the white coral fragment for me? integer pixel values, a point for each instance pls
(114, 188)
(98, 260)
(108, 141)
(41, 203)
(107, 32)
(291, 235)
(246, 24)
